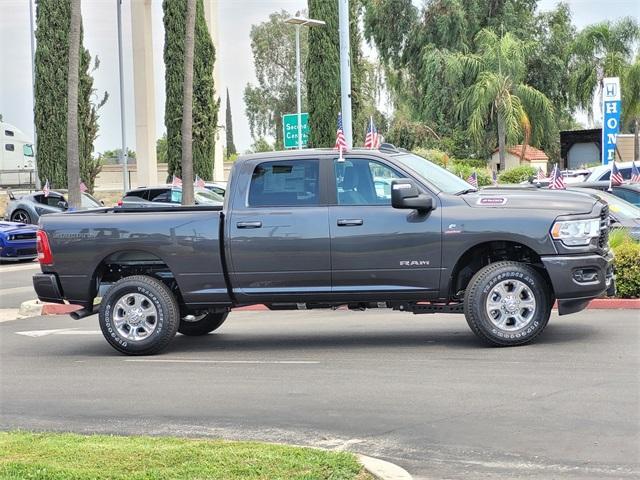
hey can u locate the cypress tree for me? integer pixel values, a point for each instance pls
(205, 107)
(52, 34)
(231, 147)
(323, 72)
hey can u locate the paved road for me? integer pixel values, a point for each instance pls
(15, 283)
(416, 390)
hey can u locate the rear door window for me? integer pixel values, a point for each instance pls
(288, 183)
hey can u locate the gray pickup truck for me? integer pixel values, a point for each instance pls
(305, 229)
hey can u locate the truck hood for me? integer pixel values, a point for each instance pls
(534, 199)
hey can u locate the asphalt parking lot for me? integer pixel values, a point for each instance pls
(419, 391)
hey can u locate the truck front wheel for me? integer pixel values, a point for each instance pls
(201, 325)
(507, 303)
(139, 315)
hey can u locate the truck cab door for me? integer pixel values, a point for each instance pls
(278, 233)
(377, 251)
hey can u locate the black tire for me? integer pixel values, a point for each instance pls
(21, 216)
(520, 325)
(206, 324)
(155, 295)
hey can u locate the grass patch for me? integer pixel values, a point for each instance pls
(52, 456)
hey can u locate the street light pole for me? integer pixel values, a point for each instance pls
(33, 89)
(124, 156)
(299, 88)
(300, 22)
(345, 71)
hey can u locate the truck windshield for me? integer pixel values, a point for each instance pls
(438, 176)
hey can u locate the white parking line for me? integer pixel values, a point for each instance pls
(10, 291)
(242, 362)
(59, 331)
(17, 268)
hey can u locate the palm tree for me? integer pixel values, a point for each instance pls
(187, 105)
(73, 80)
(497, 92)
(630, 86)
(601, 50)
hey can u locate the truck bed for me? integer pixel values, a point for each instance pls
(184, 239)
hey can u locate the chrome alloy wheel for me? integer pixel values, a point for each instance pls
(135, 316)
(511, 305)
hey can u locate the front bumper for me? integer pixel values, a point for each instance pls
(47, 287)
(578, 279)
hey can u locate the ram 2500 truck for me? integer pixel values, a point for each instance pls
(306, 229)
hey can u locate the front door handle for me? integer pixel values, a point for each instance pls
(249, 224)
(350, 222)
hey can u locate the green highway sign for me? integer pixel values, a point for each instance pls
(290, 129)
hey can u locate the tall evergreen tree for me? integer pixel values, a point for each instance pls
(52, 34)
(231, 147)
(205, 107)
(323, 72)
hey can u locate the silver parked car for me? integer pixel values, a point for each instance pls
(28, 208)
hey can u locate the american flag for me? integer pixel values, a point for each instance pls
(46, 189)
(556, 180)
(341, 142)
(372, 140)
(541, 175)
(473, 180)
(616, 177)
(199, 182)
(176, 182)
(494, 178)
(83, 187)
(635, 172)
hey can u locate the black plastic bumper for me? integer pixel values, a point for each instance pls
(47, 287)
(577, 279)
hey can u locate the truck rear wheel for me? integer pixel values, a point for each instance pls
(507, 304)
(139, 315)
(202, 325)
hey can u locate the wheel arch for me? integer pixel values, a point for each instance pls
(485, 253)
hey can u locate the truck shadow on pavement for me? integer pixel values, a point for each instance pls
(288, 343)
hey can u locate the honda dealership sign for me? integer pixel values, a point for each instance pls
(611, 105)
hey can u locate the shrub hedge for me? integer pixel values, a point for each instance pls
(627, 264)
(517, 174)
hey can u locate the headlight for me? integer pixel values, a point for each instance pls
(576, 232)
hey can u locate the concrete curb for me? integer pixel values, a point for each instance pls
(36, 308)
(383, 470)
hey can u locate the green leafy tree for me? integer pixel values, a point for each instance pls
(161, 149)
(323, 73)
(498, 93)
(273, 45)
(601, 50)
(261, 145)
(231, 147)
(50, 112)
(205, 106)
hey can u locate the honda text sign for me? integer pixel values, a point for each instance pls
(611, 105)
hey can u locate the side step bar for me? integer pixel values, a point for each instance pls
(426, 307)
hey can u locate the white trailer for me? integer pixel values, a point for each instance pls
(17, 160)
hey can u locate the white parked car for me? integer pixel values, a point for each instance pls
(603, 172)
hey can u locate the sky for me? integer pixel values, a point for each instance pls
(234, 56)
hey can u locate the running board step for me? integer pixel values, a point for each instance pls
(426, 307)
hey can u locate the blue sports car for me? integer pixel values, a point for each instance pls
(17, 241)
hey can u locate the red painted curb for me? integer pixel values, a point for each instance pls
(58, 309)
(614, 303)
(596, 304)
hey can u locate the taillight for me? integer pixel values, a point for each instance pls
(45, 257)
(120, 202)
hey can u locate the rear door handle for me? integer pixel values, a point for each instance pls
(249, 224)
(350, 222)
